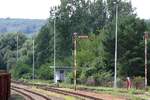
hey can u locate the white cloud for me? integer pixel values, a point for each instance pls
(36, 9)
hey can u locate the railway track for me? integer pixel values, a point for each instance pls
(84, 95)
(29, 94)
(23, 94)
(64, 92)
(70, 93)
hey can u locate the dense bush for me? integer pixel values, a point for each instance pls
(90, 81)
(69, 77)
(21, 70)
(138, 82)
(45, 72)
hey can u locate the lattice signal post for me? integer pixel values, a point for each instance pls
(75, 37)
(146, 37)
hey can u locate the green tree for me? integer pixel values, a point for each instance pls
(21, 70)
(45, 72)
(130, 46)
(8, 48)
(91, 60)
(44, 45)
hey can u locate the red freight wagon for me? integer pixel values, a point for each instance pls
(4, 85)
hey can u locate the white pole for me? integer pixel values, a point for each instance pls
(146, 36)
(33, 60)
(75, 61)
(17, 46)
(115, 75)
(55, 81)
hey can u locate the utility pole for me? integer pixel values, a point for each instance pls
(146, 37)
(17, 46)
(75, 37)
(55, 81)
(74, 59)
(115, 75)
(33, 59)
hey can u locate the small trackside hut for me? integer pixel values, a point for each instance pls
(60, 73)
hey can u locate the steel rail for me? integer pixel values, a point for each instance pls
(45, 97)
(64, 92)
(24, 94)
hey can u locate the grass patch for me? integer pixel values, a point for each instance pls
(16, 97)
(36, 81)
(130, 94)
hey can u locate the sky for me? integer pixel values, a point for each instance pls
(39, 9)
(142, 8)
(33, 9)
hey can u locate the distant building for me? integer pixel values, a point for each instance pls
(60, 74)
